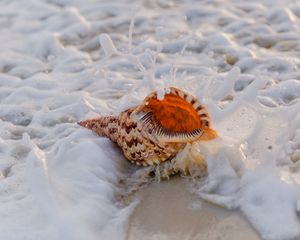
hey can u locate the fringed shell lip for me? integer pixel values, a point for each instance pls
(195, 126)
(164, 135)
(179, 137)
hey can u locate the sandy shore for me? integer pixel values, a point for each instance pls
(169, 211)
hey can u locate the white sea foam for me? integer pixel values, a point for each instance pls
(65, 61)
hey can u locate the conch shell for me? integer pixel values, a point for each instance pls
(157, 129)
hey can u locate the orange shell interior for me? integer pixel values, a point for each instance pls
(175, 114)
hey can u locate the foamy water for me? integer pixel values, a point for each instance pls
(63, 61)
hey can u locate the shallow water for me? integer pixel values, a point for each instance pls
(64, 61)
(168, 210)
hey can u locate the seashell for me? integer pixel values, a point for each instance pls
(157, 129)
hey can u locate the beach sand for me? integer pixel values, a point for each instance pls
(168, 210)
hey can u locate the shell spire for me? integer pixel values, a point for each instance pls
(103, 126)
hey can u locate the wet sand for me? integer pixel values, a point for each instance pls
(169, 211)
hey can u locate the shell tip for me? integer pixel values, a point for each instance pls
(208, 134)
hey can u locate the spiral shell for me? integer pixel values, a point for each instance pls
(156, 130)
